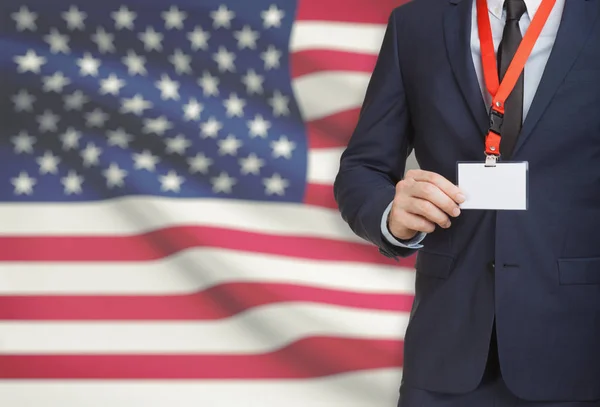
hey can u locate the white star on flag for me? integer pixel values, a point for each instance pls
(200, 163)
(104, 41)
(111, 85)
(157, 126)
(251, 164)
(72, 183)
(209, 84)
(246, 38)
(23, 184)
(275, 185)
(169, 88)
(272, 17)
(119, 138)
(145, 161)
(152, 40)
(135, 105)
(181, 62)
(271, 57)
(229, 145)
(59, 43)
(48, 121)
(234, 106)
(222, 17)
(283, 147)
(259, 127)
(199, 39)
(136, 64)
(25, 19)
(91, 155)
(23, 101)
(115, 176)
(23, 142)
(223, 183)
(192, 110)
(96, 118)
(70, 139)
(279, 103)
(124, 18)
(177, 144)
(75, 101)
(174, 18)
(253, 82)
(211, 128)
(30, 62)
(55, 83)
(171, 182)
(88, 65)
(225, 60)
(75, 18)
(48, 163)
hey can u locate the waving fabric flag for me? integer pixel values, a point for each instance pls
(168, 233)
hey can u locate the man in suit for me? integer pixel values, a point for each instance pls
(507, 303)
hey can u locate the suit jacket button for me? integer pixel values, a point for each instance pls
(491, 266)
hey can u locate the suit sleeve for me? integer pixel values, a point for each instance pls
(375, 158)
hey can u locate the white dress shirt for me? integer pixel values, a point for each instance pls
(534, 68)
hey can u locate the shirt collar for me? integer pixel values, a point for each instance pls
(495, 7)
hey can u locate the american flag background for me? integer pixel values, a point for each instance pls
(168, 234)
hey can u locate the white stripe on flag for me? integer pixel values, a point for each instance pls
(138, 215)
(323, 165)
(373, 388)
(325, 93)
(244, 333)
(196, 270)
(334, 36)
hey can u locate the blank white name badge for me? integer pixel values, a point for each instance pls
(501, 187)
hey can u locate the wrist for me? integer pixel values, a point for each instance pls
(402, 234)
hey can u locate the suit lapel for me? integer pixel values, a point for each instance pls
(577, 20)
(457, 34)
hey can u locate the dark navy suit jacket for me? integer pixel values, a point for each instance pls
(544, 291)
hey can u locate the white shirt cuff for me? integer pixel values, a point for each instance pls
(413, 243)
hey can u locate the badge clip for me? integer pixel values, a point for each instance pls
(490, 160)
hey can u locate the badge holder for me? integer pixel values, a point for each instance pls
(501, 186)
(493, 185)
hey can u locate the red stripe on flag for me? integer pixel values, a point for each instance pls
(161, 243)
(217, 302)
(359, 11)
(306, 62)
(332, 131)
(310, 357)
(320, 195)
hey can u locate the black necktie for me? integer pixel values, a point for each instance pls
(513, 107)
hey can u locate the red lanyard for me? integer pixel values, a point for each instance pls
(501, 91)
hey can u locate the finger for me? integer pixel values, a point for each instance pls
(442, 183)
(414, 222)
(431, 193)
(429, 211)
